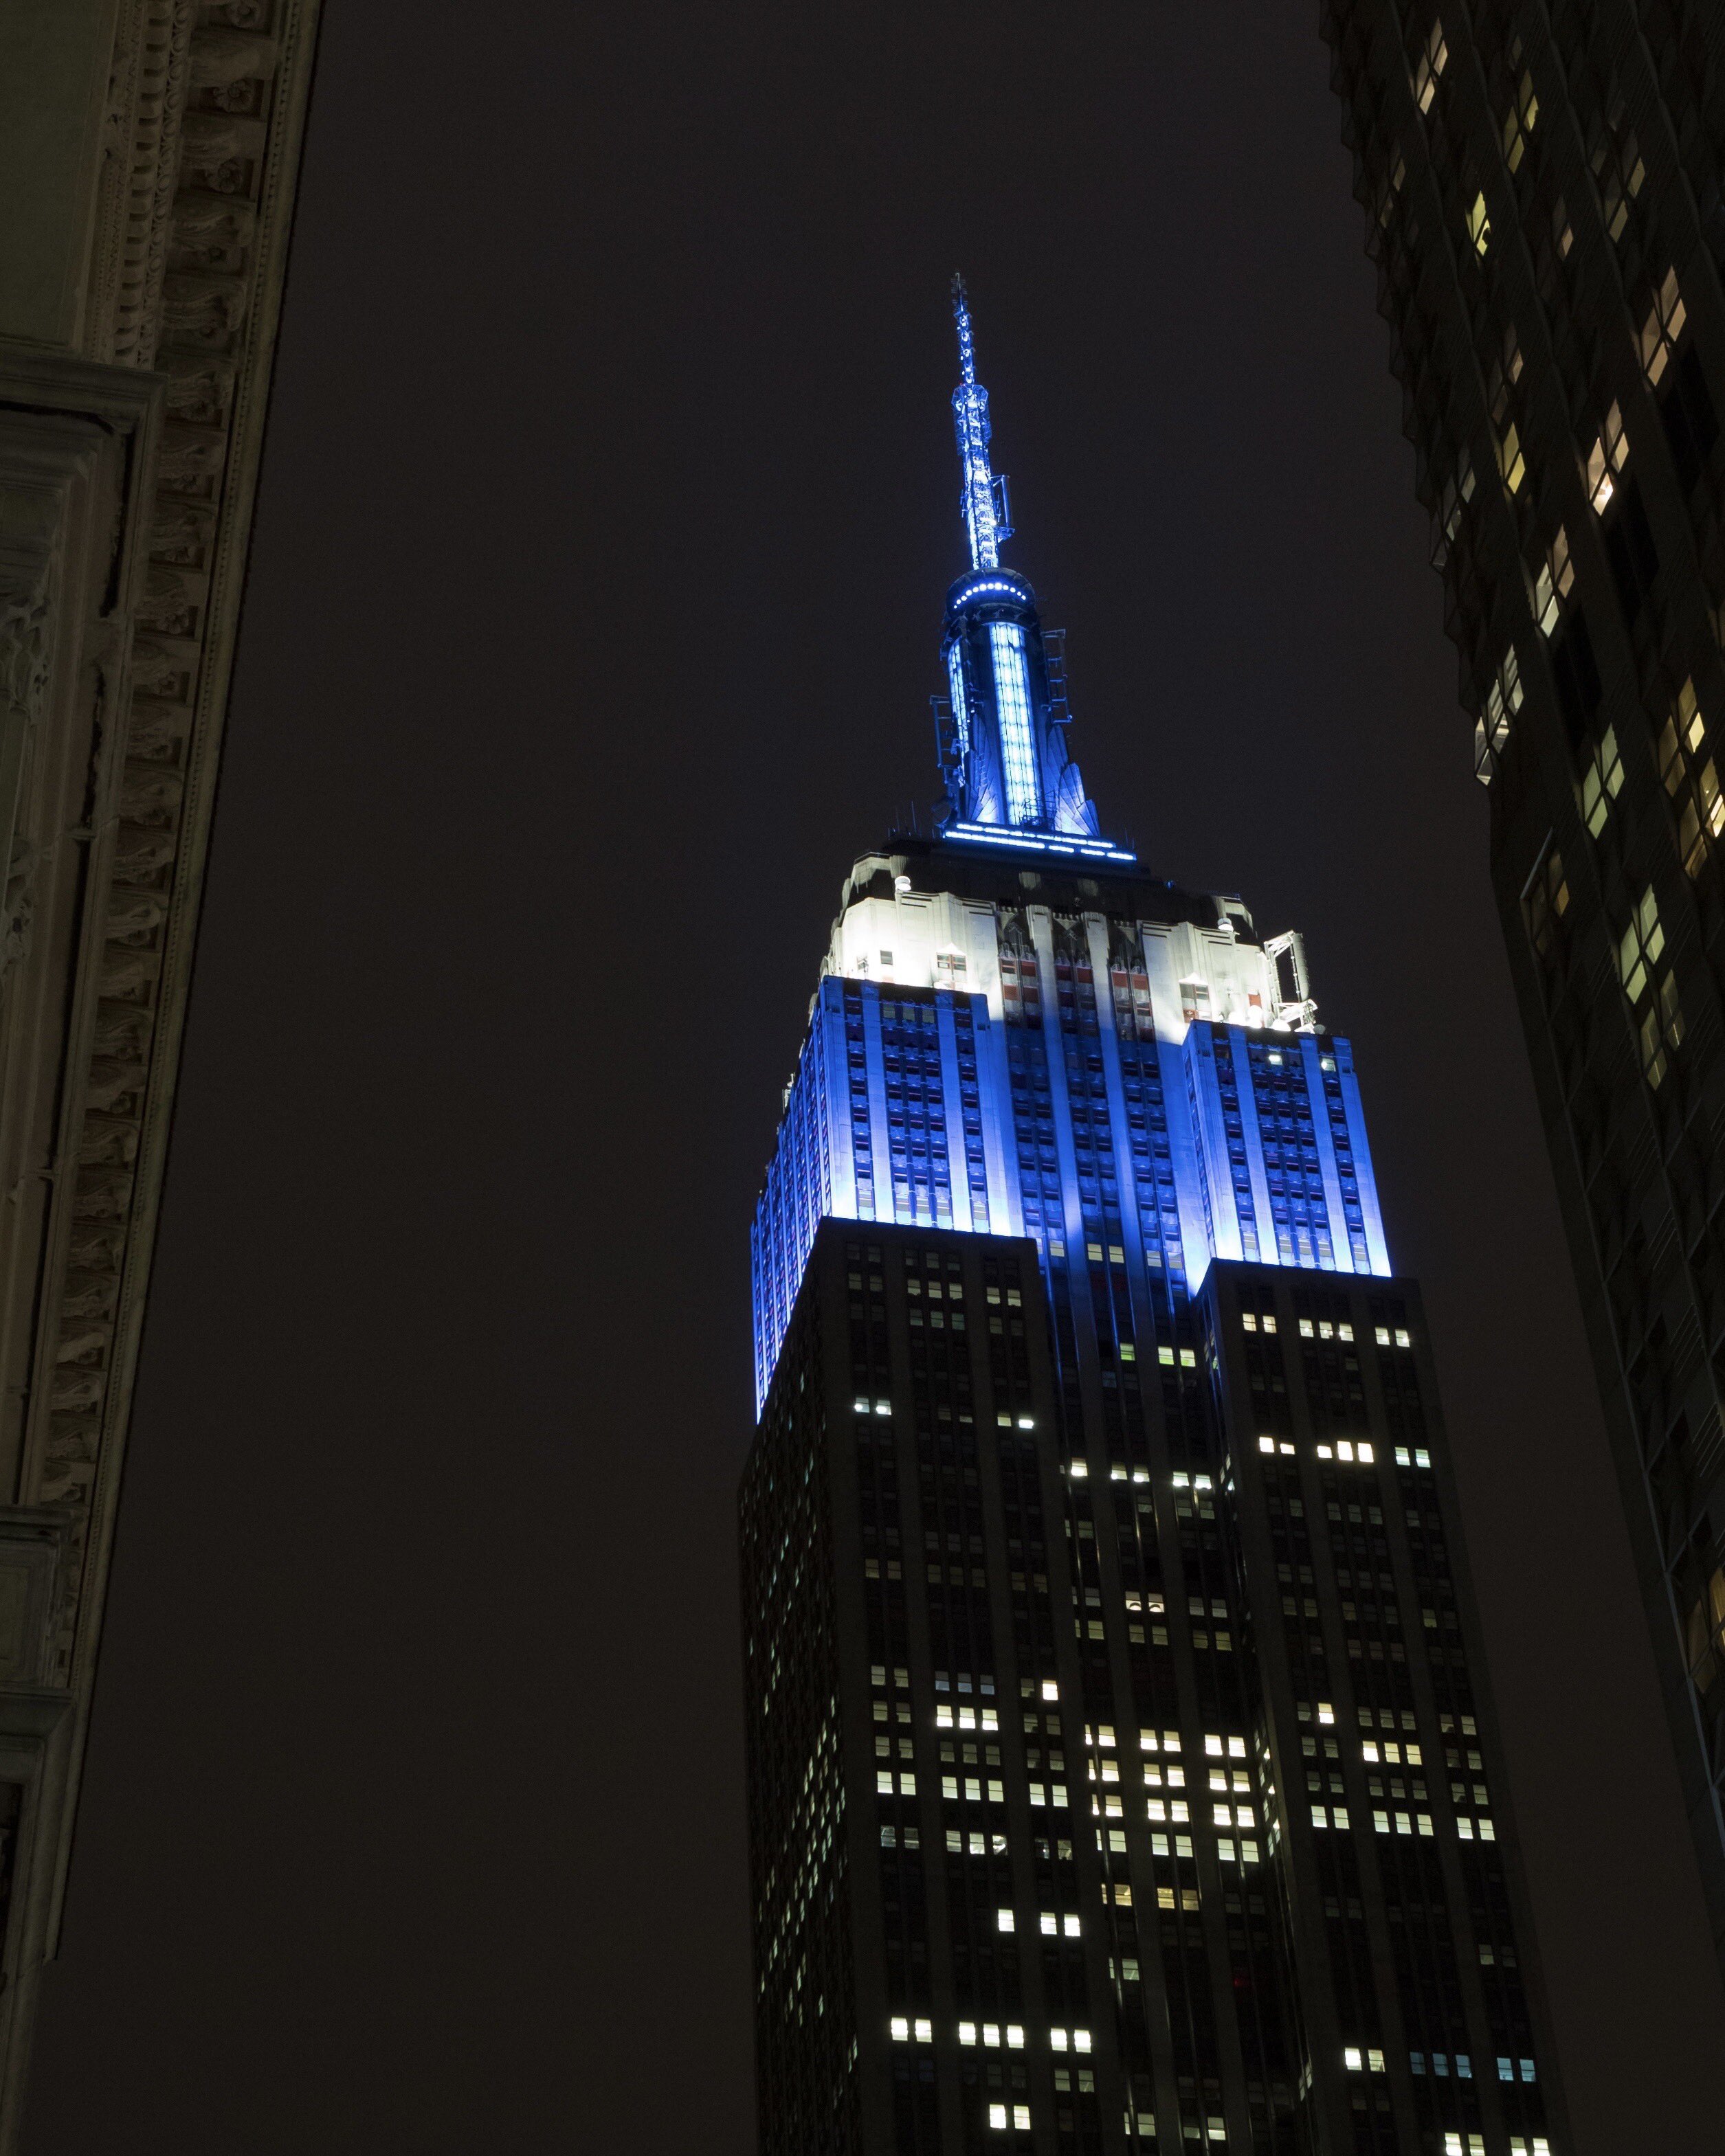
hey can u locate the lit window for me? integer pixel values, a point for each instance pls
(1692, 781)
(1519, 125)
(1510, 463)
(1353, 2059)
(1638, 953)
(925, 2032)
(901, 2029)
(1003, 1917)
(1433, 54)
(997, 2116)
(1601, 783)
(1663, 327)
(1554, 582)
(1547, 901)
(1618, 167)
(1479, 225)
(1706, 1633)
(1391, 188)
(1457, 491)
(1491, 730)
(1020, 2117)
(1608, 455)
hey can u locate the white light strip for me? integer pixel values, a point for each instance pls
(994, 834)
(1012, 704)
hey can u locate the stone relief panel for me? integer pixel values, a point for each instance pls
(207, 100)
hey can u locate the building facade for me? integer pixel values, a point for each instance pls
(148, 154)
(1543, 190)
(1122, 1770)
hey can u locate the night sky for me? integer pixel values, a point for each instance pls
(608, 507)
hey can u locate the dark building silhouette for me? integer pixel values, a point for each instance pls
(1543, 194)
(1122, 1771)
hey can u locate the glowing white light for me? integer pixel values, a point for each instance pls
(1012, 704)
(1037, 842)
(960, 709)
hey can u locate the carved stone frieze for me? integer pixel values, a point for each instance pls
(123, 549)
(23, 655)
(147, 96)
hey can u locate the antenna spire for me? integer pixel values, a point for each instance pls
(983, 499)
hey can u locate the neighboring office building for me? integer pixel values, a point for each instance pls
(1543, 189)
(1122, 1774)
(148, 152)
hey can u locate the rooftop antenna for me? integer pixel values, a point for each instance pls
(983, 500)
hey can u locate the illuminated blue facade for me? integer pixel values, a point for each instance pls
(1017, 1033)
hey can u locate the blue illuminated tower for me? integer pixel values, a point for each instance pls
(1003, 746)
(1121, 1772)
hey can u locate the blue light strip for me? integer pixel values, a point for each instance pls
(1037, 842)
(1012, 706)
(960, 701)
(970, 419)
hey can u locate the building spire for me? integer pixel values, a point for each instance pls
(983, 501)
(1009, 776)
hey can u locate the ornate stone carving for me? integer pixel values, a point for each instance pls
(225, 60)
(23, 653)
(206, 109)
(147, 93)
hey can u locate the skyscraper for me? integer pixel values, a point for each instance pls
(1122, 1774)
(1543, 189)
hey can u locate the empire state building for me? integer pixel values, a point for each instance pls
(1123, 1773)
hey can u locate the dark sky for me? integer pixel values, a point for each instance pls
(608, 504)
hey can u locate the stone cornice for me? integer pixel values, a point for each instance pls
(112, 702)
